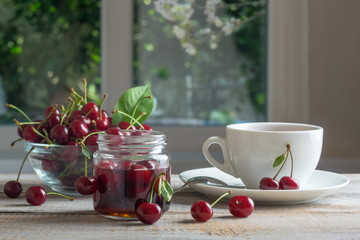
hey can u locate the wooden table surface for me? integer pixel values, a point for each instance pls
(336, 216)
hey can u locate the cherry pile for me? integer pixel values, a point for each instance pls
(239, 206)
(286, 182)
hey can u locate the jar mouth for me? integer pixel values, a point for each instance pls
(132, 138)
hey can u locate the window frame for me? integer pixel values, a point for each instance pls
(287, 94)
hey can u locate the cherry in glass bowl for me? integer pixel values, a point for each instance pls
(58, 166)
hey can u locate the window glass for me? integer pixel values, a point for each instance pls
(206, 60)
(47, 47)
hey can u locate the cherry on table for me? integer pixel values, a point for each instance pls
(86, 185)
(148, 213)
(201, 211)
(36, 195)
(13, 189)
(268, 183)
(241, 206)
(289, 183)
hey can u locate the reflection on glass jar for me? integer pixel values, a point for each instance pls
(125, 167)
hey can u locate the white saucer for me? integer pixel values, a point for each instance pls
(320, 184)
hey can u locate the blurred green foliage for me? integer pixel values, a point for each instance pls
(47, 47)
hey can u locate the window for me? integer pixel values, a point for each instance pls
(117, 70)
(47, 47)
(206, 60)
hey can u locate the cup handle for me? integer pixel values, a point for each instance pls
(226, 166)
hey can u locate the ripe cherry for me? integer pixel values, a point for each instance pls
(73, 115)
(201, 211)
(268, 183)
(126, 126)
(91, 110)
(289, 183)
(145, 127)
(86, 185)
(138, 175)
(114, 131)
(241, 206)
(48, 111)
(36, 195)
(59, 134)
(12, 189)
(31, 136)
(84, 119)
(78, 129)
(52, 121)
(101, 124)
(148, 213)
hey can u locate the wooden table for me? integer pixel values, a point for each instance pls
(336, 216)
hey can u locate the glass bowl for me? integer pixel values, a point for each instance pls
(58, 166)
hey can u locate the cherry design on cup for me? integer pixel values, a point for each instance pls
(286, 182)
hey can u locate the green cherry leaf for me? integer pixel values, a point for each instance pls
(167, 191)
(86, 152)
(279, 160)
(134, 102)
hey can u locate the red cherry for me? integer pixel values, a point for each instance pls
(84, 119)
(114, 131)
(86, 185)
(150, 164)
(36, 195)
(72, 143)
(126, 125)
(268, 183)
(92, 140)
(102, 124)
(48, 111)
(78, 129)
(201, 211)
(52, 121)
(148, 213)
(31, 136)
(289, 183)
(59, 134)
(146, 127)
(73, 115)
(104, 114)
(241, 206)
(90, 106)
(12, 189)
(138, 175)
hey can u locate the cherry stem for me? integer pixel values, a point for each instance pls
(22, 164)
(17, 140)
(225, 194)
(62, 195)
(138, 104)
(132, 124)
(136, 121)
(19, 110)
(25, 123)
(85, 89)
(287, 154)
(85, 166)
(292, 159)
(47, 117)
(101, 105)
(153, 185)
(87, 114)
(93, 133)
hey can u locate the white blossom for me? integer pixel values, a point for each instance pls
(179, 32)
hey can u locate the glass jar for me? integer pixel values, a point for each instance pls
(125, 167)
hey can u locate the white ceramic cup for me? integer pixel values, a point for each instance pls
(249, 150)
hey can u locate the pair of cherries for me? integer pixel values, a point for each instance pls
(239, 206)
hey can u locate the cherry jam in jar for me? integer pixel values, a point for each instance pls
(125, 167)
